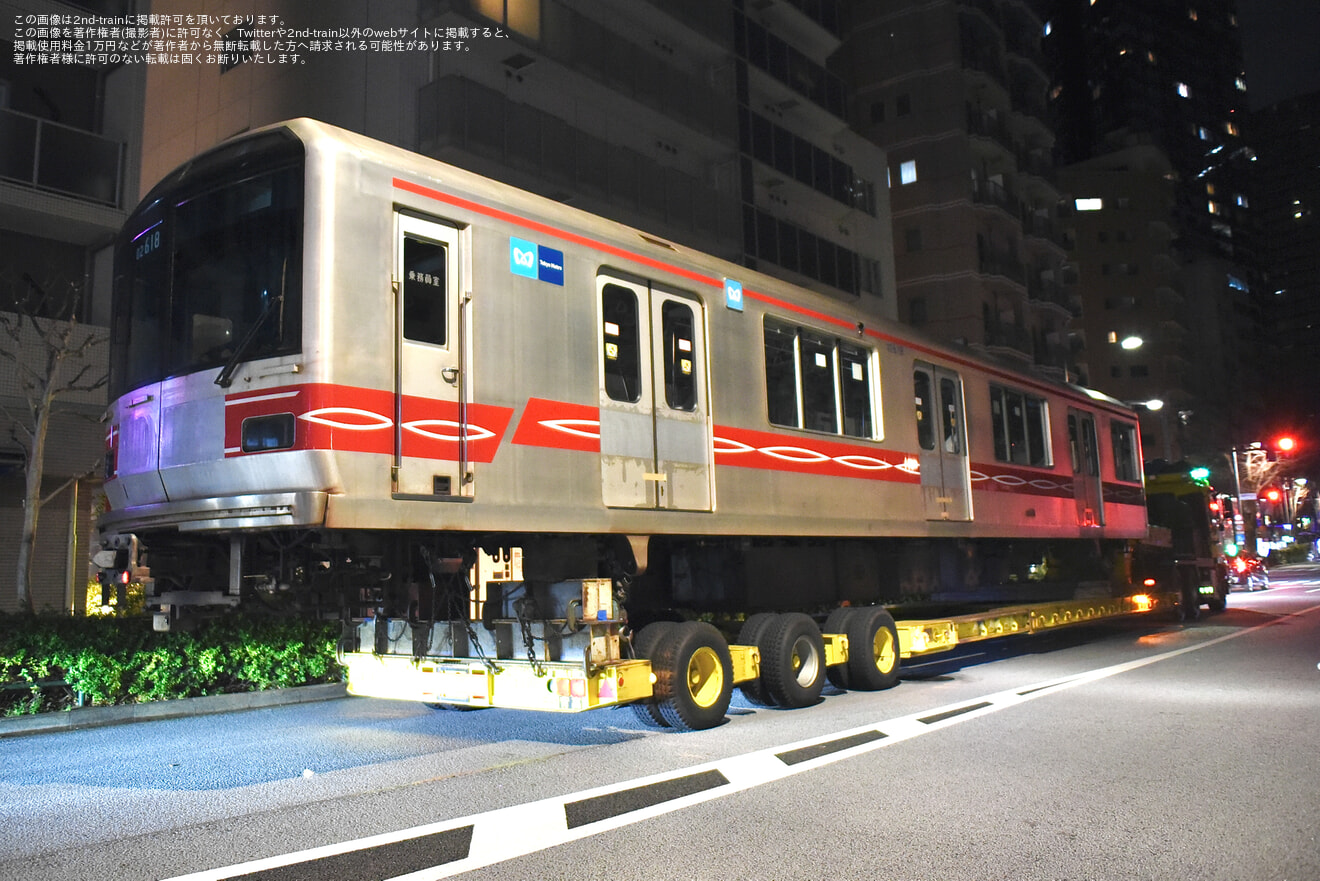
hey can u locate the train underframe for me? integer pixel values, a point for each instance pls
(667, 624)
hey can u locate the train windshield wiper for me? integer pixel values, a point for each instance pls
(226, 377)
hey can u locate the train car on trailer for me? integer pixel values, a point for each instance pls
(342, 370)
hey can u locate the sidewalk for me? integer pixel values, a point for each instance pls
(96, 717)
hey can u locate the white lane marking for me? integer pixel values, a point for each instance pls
(506, 833)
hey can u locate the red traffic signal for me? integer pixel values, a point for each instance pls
(1273, 495)
(1285, 444)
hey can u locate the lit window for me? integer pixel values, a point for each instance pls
(907, 172)
(1191, 14)
(1213, 207)
(1231, 128)
(1150, 56)
(1089, 204)
(1241, 200)
(1209, 189)
(1203, 133)
(1184, 91)
(1049, 28)
(1241, 84)
(1113, 336)
(523, 16)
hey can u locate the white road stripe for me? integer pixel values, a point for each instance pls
(507, 833)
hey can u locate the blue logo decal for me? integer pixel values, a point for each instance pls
(531, 260)
(733, 294)
(522, 258)
(550, 265)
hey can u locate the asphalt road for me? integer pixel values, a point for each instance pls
(1129, 751)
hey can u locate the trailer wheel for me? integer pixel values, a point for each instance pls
(752, 632)
(645, 644)
(873, 653)
(694, 676)
(793, 661)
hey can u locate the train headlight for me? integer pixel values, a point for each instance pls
(264, 433)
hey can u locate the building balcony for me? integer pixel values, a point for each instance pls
(60, 159)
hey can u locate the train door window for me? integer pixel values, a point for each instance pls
(781, 382)
(679, 358)
(949, 425)
(818, 384)
(1074, 442)
(1090, 448)
(1123, 435)
(424, 304)
(855, 379)
(623, 371)
(925, 401)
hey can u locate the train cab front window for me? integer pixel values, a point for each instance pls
(208, 269)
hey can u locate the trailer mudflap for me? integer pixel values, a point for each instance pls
(554, 687)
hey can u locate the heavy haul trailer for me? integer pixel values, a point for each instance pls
(340, 371)
(676, 674)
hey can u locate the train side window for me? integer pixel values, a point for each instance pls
(1123, 436)
(781, 383)
(623, 366)
(1020, 433)
(818, 384)
(680, 374)
(925, 401)
(855, 379)
(424, 291)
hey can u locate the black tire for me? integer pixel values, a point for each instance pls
(694, 677)
(752, 632)
(1190, 604)
(793, 661)
(873, 650)
(837, 622)
(645, 645)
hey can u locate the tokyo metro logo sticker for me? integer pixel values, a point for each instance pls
(531, 260)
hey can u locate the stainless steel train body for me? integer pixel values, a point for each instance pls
(337, 363)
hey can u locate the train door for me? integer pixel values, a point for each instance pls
(942, 443)
(1087, 488)
(655, 447)
(430, 379)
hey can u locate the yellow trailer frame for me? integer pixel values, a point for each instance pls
(576, 686)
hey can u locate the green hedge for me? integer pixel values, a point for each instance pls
(55, 662)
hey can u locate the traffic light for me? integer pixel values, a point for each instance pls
(1273, 495)
(1282, 447)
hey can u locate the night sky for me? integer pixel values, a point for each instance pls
(1281, 45)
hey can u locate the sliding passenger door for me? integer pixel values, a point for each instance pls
(655, 447)
(1087, 486)
(430, 381)
(942, 443)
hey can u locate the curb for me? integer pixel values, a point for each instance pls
(98, 717)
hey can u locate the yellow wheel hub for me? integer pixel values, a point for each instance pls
(705, 677)
(884, 650)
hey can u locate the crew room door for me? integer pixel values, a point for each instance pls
(1085, 450)
(430, 380)
(942, 440)
(655, 440)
